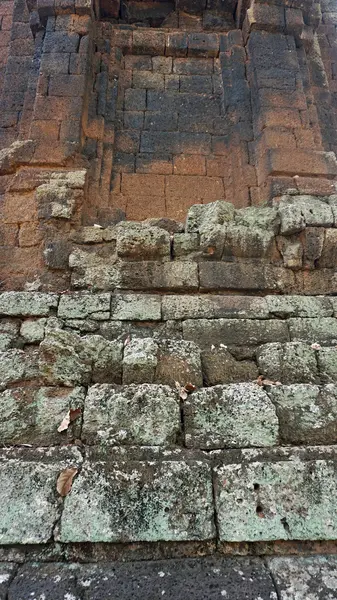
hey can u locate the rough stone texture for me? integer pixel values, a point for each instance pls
(83, 306)
(306, 577)
(140, 361)
(34, 304)
(322, 331)
(219, 366)
(178, 361)
(17, 365)
(299, 306)
(233, 416)
(142, 415)
(138, 242)
(207, 306)
(234, 332)
(32, 330)
(170, 500)
(136, 307)
(276, 500)
(327, 363)
(29, 502)
(307, 413)
(55, 581)
(216, 213)
(292, 362)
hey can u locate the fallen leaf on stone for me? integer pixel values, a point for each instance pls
(182, 392)
(71, 415)
(259, 380)
(127, 341)
(189, 387)
(98, 226)
(316, 347)
(269, 382)
(65, 480)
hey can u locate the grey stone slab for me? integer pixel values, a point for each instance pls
(321, 330)
(178, 361)
(136, 307)
(214, 307)
(83, 306)
(140, 360)
(33, 304)
(7, 572)
(32, 330)
(136, 414)
(292, 362)
(151, 275)
(18, 365)
(236, 332)
(140, 242)
(195, 578)
(300, 306)
(139, 501)
(30, 504)
(327, 364)
(307, 413)
(50, 581)
(232, 416)
(289, 500)
(304, 578)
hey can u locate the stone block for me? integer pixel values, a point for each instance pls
(327, 364)
(248, 276)
(17, 366)
(143, 415)
(148, 42)
(315, 575)
(276, 500)
(32, 304)
(291, 250)
(84, 306)
(140, 361)
(32, 330)
(137, 242)
(232, 416)
(292, 362)
(28, 496)
(178, 361)
(136, 307)
(308, 210)
(219, 366)
(234, 332)
(284, 307)
(32, 416)
(214, 213)
(307, 414)
(320, 330)
(56, 200)
(151, 275)
(139, 501)
(45, 579)
(205, 306)
(247, 242)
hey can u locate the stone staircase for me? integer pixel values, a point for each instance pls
(179, 401)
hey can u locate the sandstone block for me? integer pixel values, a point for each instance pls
(179, 361)
(32, 330)
(144, 415)
(320, 330)
(314, 573)
(232, 416)
(150, 275)
(33, 304)
(247, 242)
(140, 361)
(234, 332)
(139, 501)
(327, 364)
(56, 200)
(291, 362)
(137, 242)
(245, 276)
(214, 213)
(299, 306)
(136, 307)
(219, 366)
(17, 365)
(84, 306)
(215, 307)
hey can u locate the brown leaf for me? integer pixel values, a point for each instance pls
(71, 415)
(259, 380)
(65, 480)
(269, 382)
(182, 392)
(74, 413)
(189, 387)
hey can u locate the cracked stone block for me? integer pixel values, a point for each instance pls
(84, 306)
(234, 332)
(139, 501)
(285, 500)
(288, 363)
(150, 275)
(231, 416)
(49, 581)
(299, 306)
(94, 269)
(327, 364)
(140, 361)
(266, 218)
(292, 219)
(213, 213)
(30, 504)
(32, 416)
(212, 306)
(248, 242)
(144, 415)
(304, 577)
(307, 413)
(321, 330)
(300, 211)
(136, 307)
(32, 330)
(140, 242)
(219, 366)
(31, 304)
(178, 361)
(18, 365)
(197, 578)
(106, 358)
(57, 200)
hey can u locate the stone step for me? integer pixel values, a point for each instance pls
(197, 578)
(121, 495)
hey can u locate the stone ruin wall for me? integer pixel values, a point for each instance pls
(169, 214)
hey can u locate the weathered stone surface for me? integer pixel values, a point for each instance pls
(136, 307)
(106, 358)
(219, 366)
(178, 361)
(299, 306)
(213, 213)
(292, 362)
(246, 275)
(139, 501)
(56, 200)
(50, 581)
(304, 578)
(18, 152)
(151, 275)
(84, 306)
(307, 413)
(232, 416)
(327, 364)
(185, 244)
(140, 361)
(321, 330)
(17, 365)
(32, 304)
(32, 330)
(236, 332)
(276, 500)
(146, 415)
(9, 331)
(247, 242)
(291, 250)
(32, 416)
(197, 578)
(30, 505)
(95, 270)
(292, 219)
(7, 572)
(300, 211)
(138, 242)
(266, 218)
(214, 307)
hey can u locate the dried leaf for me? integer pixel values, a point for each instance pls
(259, 380)
(71, 415)
(316, 346)
(98, 226)
(127, 340)
(189, 387)
(74, 413)
(182, 392)
(65, 480)
(269, 382)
